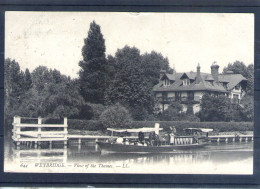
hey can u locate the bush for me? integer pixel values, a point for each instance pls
(116, 116)
(90, 125)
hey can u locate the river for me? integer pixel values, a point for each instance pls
(215, 158)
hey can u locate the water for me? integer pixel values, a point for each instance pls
(216, 158)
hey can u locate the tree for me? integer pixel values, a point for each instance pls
(237, 67)
(250, 79)
(152, 64)
(247, 71)
(130, 86)
(27, 80)
(52, 95)
(13, 88)
(93, 66)
(215, 108)
(116, 116)
(173, 112)
(247, 108)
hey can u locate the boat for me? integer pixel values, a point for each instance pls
(129, 144)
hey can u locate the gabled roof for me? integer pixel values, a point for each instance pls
(171, 77)
(207, 82)
(232, 79)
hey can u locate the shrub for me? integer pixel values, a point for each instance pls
(90, 125)
(116, 116)
(97, 110)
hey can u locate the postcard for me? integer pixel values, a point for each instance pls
(128, 92)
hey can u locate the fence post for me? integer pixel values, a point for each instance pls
(17, 129)
(65, 131)
(39, 129)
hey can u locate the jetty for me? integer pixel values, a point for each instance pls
(36, 132)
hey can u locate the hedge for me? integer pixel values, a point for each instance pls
(93, 125)
(90, 125)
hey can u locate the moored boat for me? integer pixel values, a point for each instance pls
(128, 144)
(107, 147)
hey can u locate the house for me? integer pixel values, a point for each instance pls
(189, 87)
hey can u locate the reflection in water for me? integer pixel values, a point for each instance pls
(214, 158)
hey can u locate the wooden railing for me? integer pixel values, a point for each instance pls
(40, 132)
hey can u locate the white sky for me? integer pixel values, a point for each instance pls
(55, 39)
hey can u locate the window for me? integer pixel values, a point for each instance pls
(166, 82)
(186, 82)
(164, 96)
(177, 96)
(190, 95)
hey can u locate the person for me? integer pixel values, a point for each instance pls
(141, 137)
(172, 136)
(152, 138)
(119, 140)
(173, 130)
(168, 138)
(195, 136)
(157, 141)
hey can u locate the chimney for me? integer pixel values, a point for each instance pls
(214, 71)
(198, 78)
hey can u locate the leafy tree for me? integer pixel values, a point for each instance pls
(96, 110)
(111, 68)
(116, 116)
(247, 71)
(247, 108)
(130, 86)
(250, 79)
(93, 66)
(13, 88)
(173, 112)
(27, 80)
(52, 95)
(152, 64)
(237, 67)
(215, 108)
(190, 109)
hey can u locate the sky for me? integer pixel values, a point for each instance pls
(55, 39)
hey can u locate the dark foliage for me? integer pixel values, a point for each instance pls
(215, 108)
(239, 67)
(92, 76)
(129, 86)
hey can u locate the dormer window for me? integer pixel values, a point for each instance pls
(166, 82)
(186, 82)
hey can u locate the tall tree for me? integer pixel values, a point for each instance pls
(27, 79)
(130, 86)
(152, 64)
(93, 66)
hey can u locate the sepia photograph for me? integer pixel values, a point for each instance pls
(129, 92)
